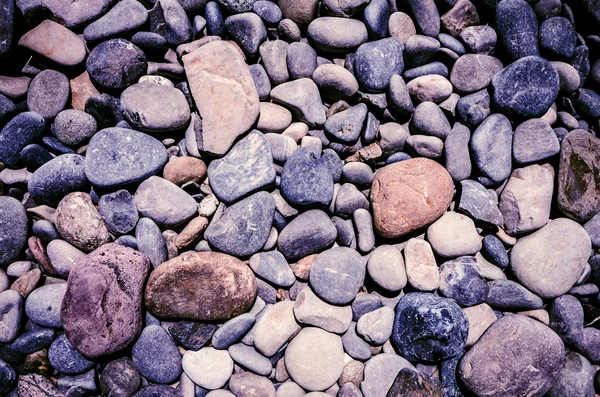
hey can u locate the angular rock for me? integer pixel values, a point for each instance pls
(509, 295)
(347, 125)
(118, 211)
(275, 328)
(461, 280)
(304, 100)
(477, 202)
(413, 384)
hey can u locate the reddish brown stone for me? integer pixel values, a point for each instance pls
(27, 282)
(409, 195)
(180, 170)
(302, 268)
(81, 89)
(39, 253)
(202, 286)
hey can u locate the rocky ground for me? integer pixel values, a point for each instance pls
(299, 198)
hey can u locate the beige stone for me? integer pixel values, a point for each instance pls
(421, 268)
(181, 170)
(480, 318)
(273, 118)
(401, 26)
(55, 42)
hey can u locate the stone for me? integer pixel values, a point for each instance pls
(249, 358)
(48, 93)
(376, 326)
(459, 17)
(55, 42)
(301, 60)
(420, 50)
(349, 199)
(456, 152)
(120, 377)
(380, 373)
(116, 64)
(78, 222)
(434, 88)
(574, 378)
(419, 332)
(337, 274)
(273, 267)
(233, 330)
(282, 146)
(480, 318)
(517, 27)
(248, 385)
(588, 343)
(267, 11)
(427, 17)
(304, 100)
(273, 118)
(309, 309)
(491, 149)
(527, 87)
(274, 57)
(386, 268)
(578, 173)
(593, 228)
(8, 377)
(337, 34)
(65, 359)
(27, 282)
(474, 108)
(347, 125)
(425, 146)
(104, 297)
(81, 89)
(412, 383)
(493, 249)
(247, 30)
(344, 8)
(43, 305)
(399, 95)
(164, 202)
(36, 385)
(375, 70)
(454, 235)
(178, 29)
(13, 229)
(211, 292)
(275, 328)
(232, 91)
(567, 318)
(309, 233)
(531, 264)
(401, 26)
(155, 342)
(557, 38)
(58, 177)
(306, 179)
(354, 345)
(118, 211)
(473, 72)
(301, 12)
(150, 241)
(19, 132)
(398, 211)
(534, 140)
(588, 103)
(156, 390)
(208, 367)
(507, 294)
(246, 168)
(11, 305)
(512, 345)
(314, 359)
(73, 127)
(192, 335)
(126, 16)
(567, 75)
(526, 199)
(461, 280)
(32, 341)
(477, 202)
(154, 107)
(181, 170)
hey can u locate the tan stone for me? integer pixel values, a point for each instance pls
(421, 268)
(191, 232)
(401, 26)
(273, 118)
(78, 222)
(27, 282)
(81, 89)
(224, 92)
(432, 88)
(55, 42)
(480, 318)
(181, 170)
(409, 195)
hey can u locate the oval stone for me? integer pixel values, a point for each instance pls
(13, 229)
(58, 177)
(19, 132)
(48, 93)
(337, 34)
(202, 286)
(116, 64)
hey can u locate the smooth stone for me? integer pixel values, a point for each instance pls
(116, 64)
(63, 256)
(428, 119)
(120, 377)
(65, 359)
(314, 359)
(567, 318)
(273, 118)
(386, 268)
(55, 42)
(48, 93)
(337, 34)
(246, 168)
(477, 202)
(156, 390)
(8, 377)
(32, 340)
(493, 249)
(126, 16)
(517, 27)
(567, 75)
(249, 385)
(574, 378)
(421, 268)
(309, 309)
(474, 108)
(579, 192)
(308, 233)
(376, 326)
(337, 274)
(11, 305)
(509, 295)
(110, 282)
(432, 88)
(79, 223)
(429, 328)
(380, 373)
(456, 152)
(593, 228)
(164, 202)
(420, 50)
(274, 57)
(306, 179)
(301, 60)
(571, 245)
(377, 61)
(349, 199)
(231, 281)
(19, 132)
(588, 344)
(480, 318)
(401, 26)
(268, 11)
(491, 147)
(43, 305)
(557, 38)
(534, 140)
(249, 358)
(178, 28)
(73, 127)
(588, 103)
(261, 80)
(282, 146)
(247, 30)
(154, 107)
(527, 344)
(335, 81)
(473, 72)
(397, 210)
(273, 267)
(208, 367)
(155, 342)
(184, 169)
(354, 345)
(426, 15)
(13, 229)
(526, 199)
(526, 88)
(221, 87)
(344, 8)
(461, 280)
(302, 97)
(118, 211)
(233, 330)
(275, 328)
(454, 235)
(58, 177)
(399, 95)
(347, 125)
(150, 241)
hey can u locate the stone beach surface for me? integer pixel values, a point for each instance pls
(288, 198)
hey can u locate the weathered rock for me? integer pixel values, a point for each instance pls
(48, 93)
(306, 179)
(476, 201)
(200, 286)
(78, 222)
(102, 308)
(120, 377)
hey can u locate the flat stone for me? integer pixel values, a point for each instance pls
(304, 100)
(65, 359)
(221, 87)
(208, 367)
(48, 93)
(164, 202)
(273, 267)
(110, 281)
(398, 210)
(11, 304)
(477, 202)
(461, 280)
(337, 274)
(19, 132)
(13, 229)
(491, 149)
(301, 60)
(434, 88)
(126, 16)
(509, 295)
(309, 309)
(551, 275)
(510, 346)
(223, 291)
(275, 328)
(473, 72)
(377, 61)
(43, 305)
(233, 330)
(73, 127)
(335, 81)
(454, 235)
(517, 27)
(427, 17)
(456, 152)
(248, 385)
(154, 342)
(78, 222)
(116, 64)
(246, 168)
(534, 140)
(421, 267)
(380, 373)
(273, 54)
(55, 42)
(337, 34)
(249, 358)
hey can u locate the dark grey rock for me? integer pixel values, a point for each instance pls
(346, 236)
(472, 109)
(589, 344)
(508, 295)
(581, 62)
(592, 227)
(451, 43)
(48, 93)
(309, 233)
(233, 331)
(301, 60)
(120, 377)
(7, 109)
(178, 29)
(347, 125)
(244, 227)
(124, 17)
(334, 163)
(8, 376)
(73, 127)
(430, 68)
(428, 119)
(456, 152)
(491, 150)
(376, 16)
(56, 146)
(45, 230)
(337, 274)
(494, 251)
(399, 97)
(150, 241)
(65, 359)
(267, 11)
(588, 103)
(247, 168)
(20, 131)
(156, 356)
(273, 267)
(192, 335)
(116, 64)
(419, 50)
(149, 41)
(43, 305)
(118, 211)
(7, 25)
(261, 80)
(426, 16)
(33, 156)
(33, 340)
(105, 109)
(266, 292)
(461, 280)
(517, 26)
(248, 30)
(57, 178)
(354, 345)
(364, 304)
(566, 318)
(534, 140)
(429, 328)
(119, 156)
(557, 38)
(349, 199)
(215, 24)
(527, 87)
(377, 61)
(13, 229)
(476, 202)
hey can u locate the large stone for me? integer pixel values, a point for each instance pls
(116, 64)
(409, 195)
(550, 261)
(517, 27)
(517, 356)
(55, 42)
(201, 286)
(221, 85)
(409, 383)
(304, 100)
(579, 176)
(246, 168)
(275, 328)
(73, 14)
(14, 228)
(102, 308)
(48, 93)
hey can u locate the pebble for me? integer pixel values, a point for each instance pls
(432, 88)
(178, 28)
(8, 377)
(248, 385)
(208, 367)
(73, 127)
(409, 381)
(274, 57)
(62, 175)
(55, 42)
(247, 30)
(454, 235)
(155, 342)
(13, 229)
(349, 199)
(306, 179)
(309, 309)
(192, 335)
(507, 294)
(427, 17)
(401, 26)
(273, 267)
(419, 50)
(421, 268)
(557, 38)
(118, 211)
(116, 64)
(337, 274)
(480, 318)
(456, 152)
(428, 119)
(65, 359)
(48, 93)
(473, 72)
(478, 203)
(43, 305)
(337, 34)
(273, 118)
(461, 280)
(11, 304)
(19, 132)
(302, 97)
(124, 17)
(517, 26)
(249, 358)
(567, 318)
(150, 241)
(269, 12)
(380, 373)
(309, 233)
(33, 340)
(386, 268)
(120, 377)
(574, 378)
(534, 140)
(301, 60)
(376, 326)
(153, 390)
(275, 328)
(490, 147)
(474, 108)
(377, 61)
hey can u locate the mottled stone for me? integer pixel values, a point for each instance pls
(78, 222)
(409, 383)
(116, 64)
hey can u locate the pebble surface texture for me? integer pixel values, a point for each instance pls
(299, 198)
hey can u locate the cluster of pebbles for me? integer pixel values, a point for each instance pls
(299, 198)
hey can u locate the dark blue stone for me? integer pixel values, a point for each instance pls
(364, 304)
(157, 391)
(494, 251)
(127, 241)
(430, 68)
(215, 24)
(57, 178)
(19, 132)
(472, 109)
(268, 11)
(32, 341)
(156, 356)
(261, 80)
(118, 211)
(8, 377)
(581, 62)
(7, 27)
(377, 61)
(376, 16)
(33, 156)
(347, 125)
(192, 335)
(451, 43)
(247, 30)
(557, 38)
(306, 179)
(588, 103)
(45, 230)
(232, 331)
(149, 41)
(369, 132)
(491, 149)
(65, 359)
(448, 377)
(7, 107)
(429, 328)
(150, 241)
(460, 280)
(508, 295)
(517, 27)
(56, 146)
